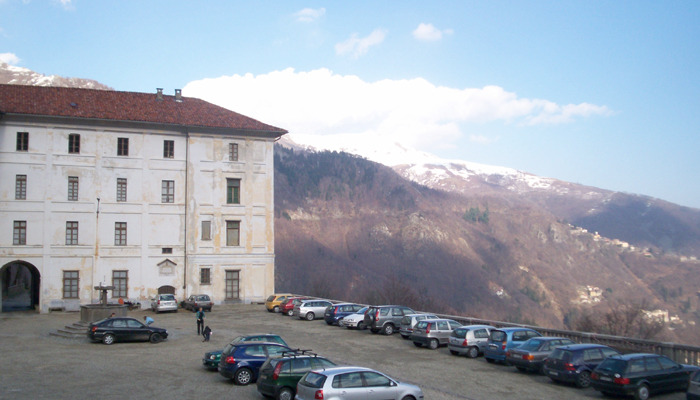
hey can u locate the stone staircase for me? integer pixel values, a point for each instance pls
(76, 331)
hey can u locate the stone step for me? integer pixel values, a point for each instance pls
(67, 335)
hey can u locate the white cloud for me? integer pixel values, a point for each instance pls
(66, 4)
(309, 14)
(412, 112)
(481, 139)
(359, 46)
(9, 58)
(429, 33)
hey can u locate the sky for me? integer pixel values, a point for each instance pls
(601, 93)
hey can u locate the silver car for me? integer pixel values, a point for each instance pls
(351, 383)
(354, 321)
(433, 332)
(311, 309)
(410, 320)
(164, 302)
(694, 387)
(470, 340)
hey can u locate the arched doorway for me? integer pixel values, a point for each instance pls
(166, 290)
(20, 286)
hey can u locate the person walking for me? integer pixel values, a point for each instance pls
(200, 321)
(206, 333)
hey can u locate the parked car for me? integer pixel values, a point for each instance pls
(386, 319)
(640, 375)
(196, 301)
(575, 363)
(287, 306)
(500, 340)
(470, 340)
(164, 302)
(354, 321)
(693, 392)
(241, 361)
(272, 304)
(345, 383)
(530, 355)
(279, 376)
(212, 358)
(335, 312)
(433, 332)
(124, 329)
(311, 309)
(409, 321)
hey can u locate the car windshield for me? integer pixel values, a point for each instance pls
(498, 336)
(613, 365)
(460, 333)
(272, 297)
(167, 297)
(560, 354)
(363, 310)
(238, 339)
(530, 345)
(313, 380)
(421, 325)
(203, 298)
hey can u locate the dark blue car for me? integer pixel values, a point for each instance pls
(335, 312)
(576, 362)
(242, 361)
(500, 340)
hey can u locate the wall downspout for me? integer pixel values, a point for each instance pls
(187, 205)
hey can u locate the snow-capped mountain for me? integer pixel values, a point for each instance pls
(10, 74)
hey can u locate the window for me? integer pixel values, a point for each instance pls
(233, 233)
(120, 280)
(232, 285)
(206, 230)
(21, 187)
(301, 365)
(233, 151)
(22, 141)
(233, 191)
(120, 233)
(122, 146)
(121, 189)
(375, 379)
(168, 195)
(73, 188)
(205, 276)
(666, 363)
(19, 235)
(168, 148)
(167, 250)
(350, 380)
(72, 233)
(74, 143)
(70, 284)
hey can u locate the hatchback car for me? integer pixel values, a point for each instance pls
(500, 340)
(409, 321)
(241, 361)
(386, 319)
(272, 304)
(470, 340)
(279, 375)
(345, 383)
(287, 306)
(311, 309)
(640, 375)
(354, 321)
(211, 358)
(433, 332)
(335, 312)
(197, 301)
(164, 302)
(124, 329)
(575, 363)
(530, 355)
(693, 392)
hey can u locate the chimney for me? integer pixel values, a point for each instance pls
(159, 94)
(178, 95)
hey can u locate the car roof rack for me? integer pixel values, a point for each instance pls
(298, 352)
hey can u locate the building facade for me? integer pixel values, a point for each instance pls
(144, 192)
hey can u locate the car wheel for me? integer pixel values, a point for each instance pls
(243, 377)
(388, 329)
(490, 360)
(108, 339)
(360, 326)
(418, 344)
(310, 316)
(473, 352)
(641, 393)
(583, 380)
(285, 394)
(275, 309)
(268, 310)
(521, 369)
(373, 330)
(409, 398)
(454, 353)
(329, 322)
(155, 338)
(290, 313)
(433, 344)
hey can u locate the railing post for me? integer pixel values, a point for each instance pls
(585, 337)
(667, 350)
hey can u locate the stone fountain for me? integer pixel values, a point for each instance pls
(95, 312)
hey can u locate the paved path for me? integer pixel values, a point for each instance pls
(35, 365)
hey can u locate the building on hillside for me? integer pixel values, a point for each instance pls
(148, 193)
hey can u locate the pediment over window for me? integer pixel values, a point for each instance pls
(166, 267)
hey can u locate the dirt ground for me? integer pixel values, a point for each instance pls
(36, 365)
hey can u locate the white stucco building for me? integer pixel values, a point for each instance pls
(146, 192)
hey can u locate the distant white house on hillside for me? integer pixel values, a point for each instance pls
(146, 192)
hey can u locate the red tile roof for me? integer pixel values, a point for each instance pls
(123, 106)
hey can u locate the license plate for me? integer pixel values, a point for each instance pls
(493, 346)
(555, 373)
(605, 378)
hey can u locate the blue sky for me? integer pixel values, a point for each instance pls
(602, 93)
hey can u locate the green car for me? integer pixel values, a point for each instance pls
(279, 375)
(211, 358)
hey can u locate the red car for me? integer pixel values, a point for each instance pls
(287, 307)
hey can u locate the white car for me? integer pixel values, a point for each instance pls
(164, 302)
(345, 383)
(354, 321)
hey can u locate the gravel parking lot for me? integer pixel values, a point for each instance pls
(38, 366)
